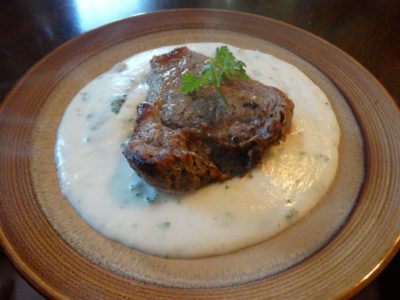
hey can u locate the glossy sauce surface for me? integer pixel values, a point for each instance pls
(219, 218)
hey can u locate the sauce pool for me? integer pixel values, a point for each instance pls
(223, 217)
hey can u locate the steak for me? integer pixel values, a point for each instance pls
(183, 142)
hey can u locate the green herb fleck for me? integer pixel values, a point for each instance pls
(223, 67)
(133, 186)
(226, 186)
(291, 213)
(152, 198)
(228, 214)
(117, 102)
(125, 143)
(322, 157)
(85, 96)
(129, 120)
(289, 200)
(119, 67)
(164, 225)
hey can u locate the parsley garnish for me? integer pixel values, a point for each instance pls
(224, 66)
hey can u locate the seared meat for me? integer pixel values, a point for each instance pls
(184, 142)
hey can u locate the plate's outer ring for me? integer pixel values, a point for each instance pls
(362, 248)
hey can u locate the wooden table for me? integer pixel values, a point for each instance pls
(367, 30)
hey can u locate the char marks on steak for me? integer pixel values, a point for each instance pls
(183, 142)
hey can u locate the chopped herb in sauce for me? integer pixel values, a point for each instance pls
(125, 143)
(152, 198)
(291, 213)
(85, 96)
(117, 102)
(322, 157)
(95, 120)
(119, 67)
(164, 225)
(225, 219)
(143, 191)
(133, 186)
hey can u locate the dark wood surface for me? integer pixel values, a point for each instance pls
(367, 30)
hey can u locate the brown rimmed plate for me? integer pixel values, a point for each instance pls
(332, 252)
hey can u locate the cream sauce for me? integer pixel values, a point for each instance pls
(220, 218)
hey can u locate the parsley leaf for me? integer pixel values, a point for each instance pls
(223, 67)
(191, 83)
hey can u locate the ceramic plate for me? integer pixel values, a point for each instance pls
(333, 252)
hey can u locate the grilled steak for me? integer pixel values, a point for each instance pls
(183, 142)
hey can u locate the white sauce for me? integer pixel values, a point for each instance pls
(219, 218)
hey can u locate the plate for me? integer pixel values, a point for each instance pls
(334, 251)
